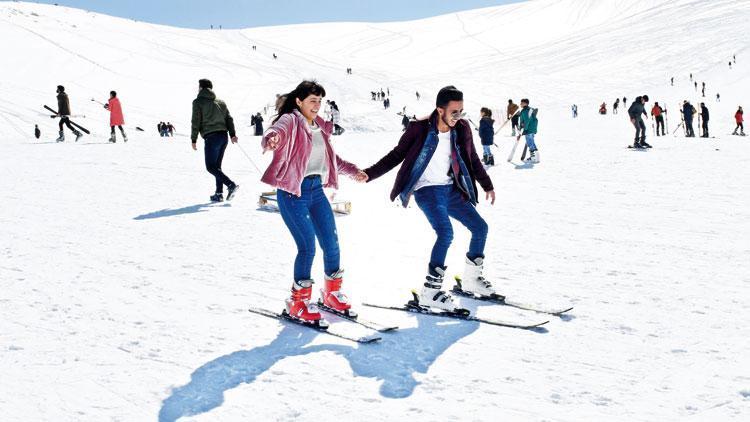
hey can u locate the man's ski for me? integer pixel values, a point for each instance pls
(357, 320)
(502, 300)
(513, 151)
(83, 129)
(285, 317)
(464, 314)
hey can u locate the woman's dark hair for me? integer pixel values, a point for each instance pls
(303, 90)
(112, 93)
(486, 111)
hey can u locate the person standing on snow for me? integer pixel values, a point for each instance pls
(487, 135)
(615, 106)
(738, 118)
(440, 168)
(688, 111)
(258, 124)
(212, 120)
(512, 115)
(304, 162)
(336, 119)
(37, 132)
(529, 125)
(115, 117)
(634, 112)
(63, 111)
(574, 108)
(405, 122)
(704, 118)
(657, 112)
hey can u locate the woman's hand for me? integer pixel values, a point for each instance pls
(361, 177)
(272, 142)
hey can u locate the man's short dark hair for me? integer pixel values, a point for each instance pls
(205, 83)
(60, 88)
(448, 94)
(525, 100)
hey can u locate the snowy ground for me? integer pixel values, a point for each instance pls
(125, 293)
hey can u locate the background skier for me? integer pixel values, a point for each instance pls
(115, 117)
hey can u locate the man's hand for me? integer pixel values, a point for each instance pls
(518, 138)
(361, 177)
(195, 146)
(632, 121)
(490, 196)
(234, 139)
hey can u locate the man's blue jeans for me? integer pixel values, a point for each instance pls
(440, 202)
(530, 141)
(309, 217)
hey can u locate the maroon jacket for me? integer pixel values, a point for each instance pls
(410, 145)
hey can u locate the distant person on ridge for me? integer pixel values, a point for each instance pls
(212, 120)
(63, 111)
(115, 117)
(634, 112)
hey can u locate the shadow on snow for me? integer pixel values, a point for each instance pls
(179, 211)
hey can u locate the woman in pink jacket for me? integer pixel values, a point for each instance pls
(304, 162)
(115, 116)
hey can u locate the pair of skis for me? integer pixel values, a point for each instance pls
(83, 129)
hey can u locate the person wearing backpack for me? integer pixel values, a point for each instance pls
(529, 125)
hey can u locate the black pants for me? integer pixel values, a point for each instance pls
(216, 143)
(704, 126)
(640, 131)
(659, 124)
(64, 120)
(689, 128)
(739, 127)
(121, 129)
(514, 122)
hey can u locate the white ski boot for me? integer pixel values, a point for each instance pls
(533, 156)
(473, 281)
(432, 295)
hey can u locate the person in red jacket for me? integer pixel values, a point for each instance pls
(115, 116)
(657, 112)
(739, 120)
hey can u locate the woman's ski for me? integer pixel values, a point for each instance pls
(502, 300)
(283, 316)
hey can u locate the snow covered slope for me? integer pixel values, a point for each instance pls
(124, 294)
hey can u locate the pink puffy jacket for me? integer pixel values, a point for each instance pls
(287, 169)
(115, 112)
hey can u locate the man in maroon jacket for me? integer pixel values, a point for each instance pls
(441, 169)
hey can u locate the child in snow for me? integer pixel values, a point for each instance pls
(303, 163)
(487, 135)
(115, 117)
(739, 120)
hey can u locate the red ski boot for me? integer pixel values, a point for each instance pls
(298, 306)
(333, 298)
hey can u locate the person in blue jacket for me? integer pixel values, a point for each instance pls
(487, 135)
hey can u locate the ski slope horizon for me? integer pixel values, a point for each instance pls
(125, 292)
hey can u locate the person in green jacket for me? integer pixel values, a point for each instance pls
(529, 124)
(212, 120)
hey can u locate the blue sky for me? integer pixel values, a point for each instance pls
(201, 14)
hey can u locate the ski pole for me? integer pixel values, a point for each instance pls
(99, 102)
(249, 159)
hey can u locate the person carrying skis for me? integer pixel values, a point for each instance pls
(512, 115)
(115, 117)
(688, 111)
(704, 118)
(487, 135)
(634, 112)
(657, 112)
(63, 111)
(212, 120)
(440, 168)
(304, 162)
(258, 124)
(529, 125)
(738, 118)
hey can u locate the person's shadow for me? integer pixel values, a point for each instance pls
(167, 212)
(394, 361)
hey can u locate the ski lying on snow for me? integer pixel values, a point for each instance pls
(357, 320)
(285, 317)
(502, 300)
(458, 314)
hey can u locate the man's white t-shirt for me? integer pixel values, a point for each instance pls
(436, 172)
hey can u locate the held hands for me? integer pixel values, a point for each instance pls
(490, 196)
(361, 177)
